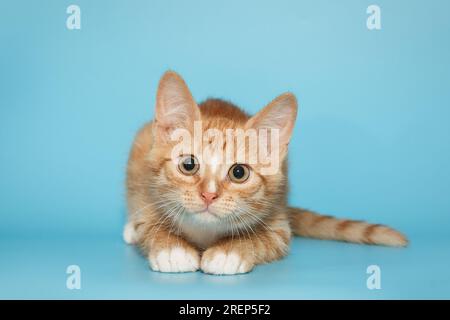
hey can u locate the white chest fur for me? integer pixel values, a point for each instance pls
(200, 233)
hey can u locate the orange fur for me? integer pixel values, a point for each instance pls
(248, 223)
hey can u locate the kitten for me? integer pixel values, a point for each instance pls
(188, 212)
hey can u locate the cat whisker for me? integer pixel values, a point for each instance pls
(236, 226)
(248, 234)
(174, 218)
(166, 216)
(141, 209)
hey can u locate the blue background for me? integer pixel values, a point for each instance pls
(371, 142)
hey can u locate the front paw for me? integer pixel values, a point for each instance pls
(219, 261)
(175, 259)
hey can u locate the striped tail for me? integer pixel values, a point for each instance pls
(309, 224)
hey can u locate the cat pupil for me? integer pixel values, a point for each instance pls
(189, 164)
(238, 172)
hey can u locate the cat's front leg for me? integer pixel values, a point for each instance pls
(239, 254)
(170, 253)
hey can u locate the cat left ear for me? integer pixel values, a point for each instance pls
(279, 114)
(175, 106)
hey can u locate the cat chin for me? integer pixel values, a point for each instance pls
(205, 217)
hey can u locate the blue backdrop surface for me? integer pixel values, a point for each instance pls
(371, 141)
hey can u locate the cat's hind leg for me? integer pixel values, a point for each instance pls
(130, 235)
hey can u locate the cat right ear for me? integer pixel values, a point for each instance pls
(175, 106)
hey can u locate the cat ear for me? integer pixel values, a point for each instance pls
(175, 106)
(279, 114)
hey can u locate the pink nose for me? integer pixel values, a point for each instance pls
(209, 197)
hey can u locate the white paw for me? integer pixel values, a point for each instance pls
(220, 262)
(176, 259)
(129, 234)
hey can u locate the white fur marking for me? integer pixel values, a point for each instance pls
(202, 229)
(222, 263)
(214, 164)
(212, 186)
(176, 259)
(130, 234)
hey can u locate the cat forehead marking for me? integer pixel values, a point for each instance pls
(214, 163)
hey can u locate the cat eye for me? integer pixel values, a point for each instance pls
(188, 165)
(239, 173)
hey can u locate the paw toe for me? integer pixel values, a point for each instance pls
(176, 259)
(225, 263)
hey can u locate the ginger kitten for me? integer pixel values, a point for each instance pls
(188, 211)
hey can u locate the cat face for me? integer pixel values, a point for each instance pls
(207, 163)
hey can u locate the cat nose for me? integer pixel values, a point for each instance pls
(209, 197)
